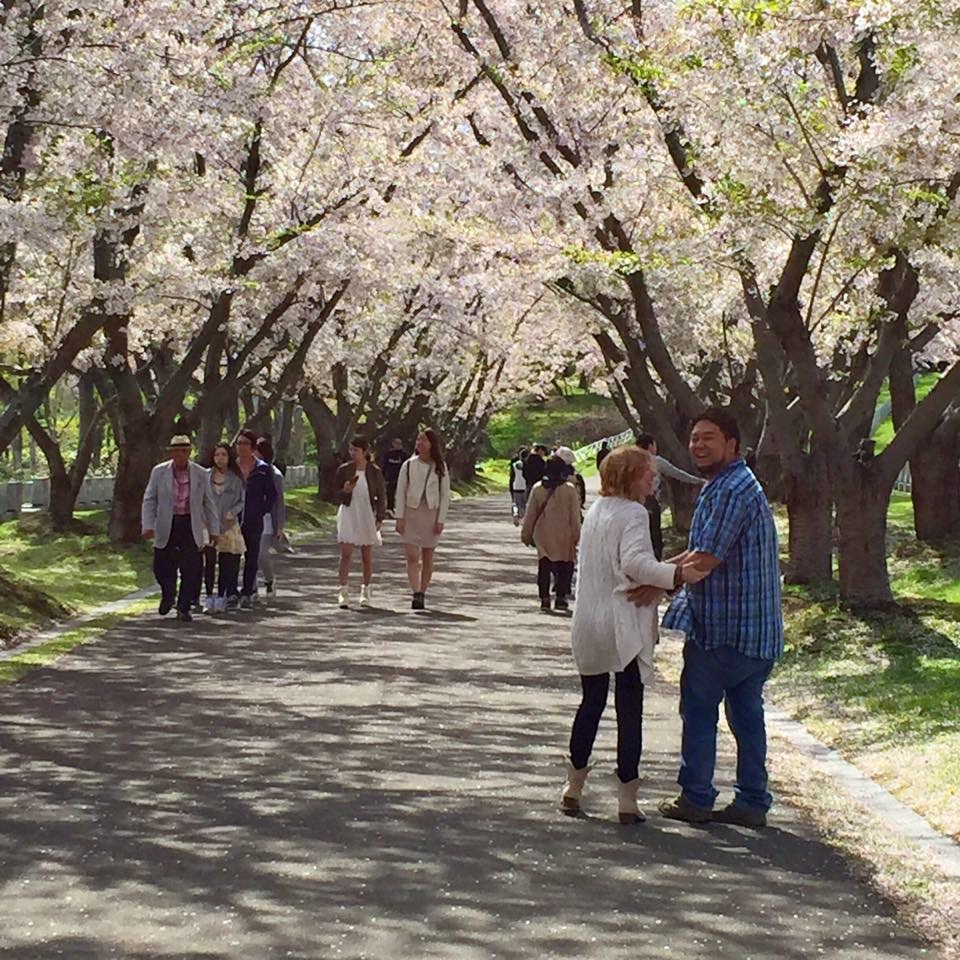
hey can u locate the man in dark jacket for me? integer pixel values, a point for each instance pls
(390, 464)
(535, 466)
(258, 502)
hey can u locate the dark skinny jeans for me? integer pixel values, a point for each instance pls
(628, 698)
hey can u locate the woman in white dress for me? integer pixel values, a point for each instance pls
(610, 633)
(423, 498)
(363, 504)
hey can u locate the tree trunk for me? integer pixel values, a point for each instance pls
(63, 498)
(284, 432)
(462, 464)
(936, 486)
(861, 502)
(137, 456)
(683, 497)
(810, 513)
(327, 462)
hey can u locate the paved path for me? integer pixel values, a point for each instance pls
(380, 784)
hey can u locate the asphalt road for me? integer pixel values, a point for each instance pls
(312, 783)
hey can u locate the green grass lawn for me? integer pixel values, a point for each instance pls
(884, 688)
(884, 432)
(46, 575)
(574, 420)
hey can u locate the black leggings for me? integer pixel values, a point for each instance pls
(628, 697)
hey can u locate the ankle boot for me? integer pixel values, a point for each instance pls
(627, 801)
(573, 788)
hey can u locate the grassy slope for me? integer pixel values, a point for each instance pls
(884, 433)
(574, 420)
(884, 689)
(46, 575)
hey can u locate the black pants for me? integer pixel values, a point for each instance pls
(209, 569)
(628, 697)
(656, 530)
(391, 495)
(228, 581)
(181, 554)
(252, 534)
(562, 573)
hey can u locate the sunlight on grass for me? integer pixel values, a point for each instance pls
(574, 420)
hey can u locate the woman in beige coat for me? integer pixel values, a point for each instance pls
(552, 524)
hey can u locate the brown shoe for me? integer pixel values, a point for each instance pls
(680, 808)
(740, 816)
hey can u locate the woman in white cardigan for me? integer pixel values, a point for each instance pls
(423, 499)
(611, 634)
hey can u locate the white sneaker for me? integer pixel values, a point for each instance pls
(343, 600)
(366, 594)
(209, 604)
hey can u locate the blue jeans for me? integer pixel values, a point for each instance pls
(708, 677)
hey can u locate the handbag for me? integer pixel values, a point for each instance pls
(231, 540)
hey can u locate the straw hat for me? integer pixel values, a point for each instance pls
(180, 440)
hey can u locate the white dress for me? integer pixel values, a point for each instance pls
(615, 555)
(356, 523)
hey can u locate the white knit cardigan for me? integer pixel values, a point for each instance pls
(616, 554)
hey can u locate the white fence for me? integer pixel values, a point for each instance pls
(98, 491)
(582, 453)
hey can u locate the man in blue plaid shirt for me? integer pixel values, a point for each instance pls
(733, 625)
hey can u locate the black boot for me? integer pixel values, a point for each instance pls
(419, 601)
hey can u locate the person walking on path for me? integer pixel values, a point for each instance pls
(552, 525)
(423, 499)
(534, 467)
(610, 634)
(570, 459)
(227, 486)
(733, 624)
(177, 506)
(257, 503)
(518, 487)
(391, 463)
(654, 502)
(603, 452)
(363, 504)
(273, 522)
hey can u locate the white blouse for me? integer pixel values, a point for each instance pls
(616, 554)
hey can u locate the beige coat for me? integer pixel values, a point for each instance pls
(552, 522)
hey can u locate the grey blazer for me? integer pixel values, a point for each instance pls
(231, 500)
(159, 498)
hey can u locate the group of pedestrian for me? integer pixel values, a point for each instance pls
(549, 505)
(725, 590)
(205, 521)
(416, 491)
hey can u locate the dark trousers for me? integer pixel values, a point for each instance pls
(228, 581)
(708, 677)
(628, 698)
(656, 530)
(181, 554)
(561, 571)
(391, 495)
(252, 534)
(209, 569)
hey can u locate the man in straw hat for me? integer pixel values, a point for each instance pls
(177, 505)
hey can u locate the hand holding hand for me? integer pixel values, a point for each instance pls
(148, 534)
(679, 558)
(691, 573)
(645, 596)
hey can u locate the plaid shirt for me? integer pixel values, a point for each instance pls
(738, 605)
